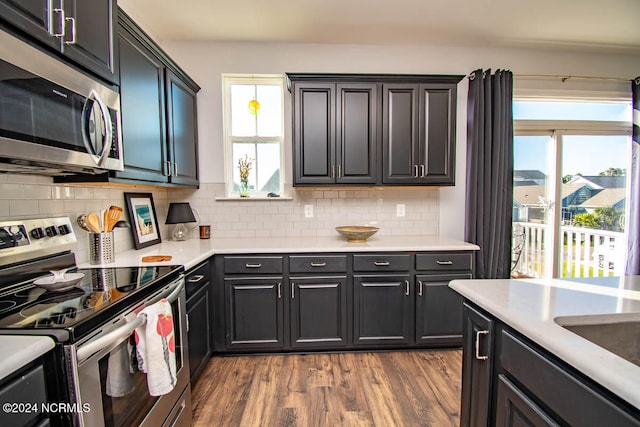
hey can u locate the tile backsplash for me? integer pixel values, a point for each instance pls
(30, 196)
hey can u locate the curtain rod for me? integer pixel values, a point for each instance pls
(565, 77)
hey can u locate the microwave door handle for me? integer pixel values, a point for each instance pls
(107, 141)
(86, 350)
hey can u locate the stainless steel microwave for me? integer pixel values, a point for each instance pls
(54, 120)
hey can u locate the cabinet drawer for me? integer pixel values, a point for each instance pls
(253, 264)
(575, 401)
(382, 262)
(196, 278)
(318, 264)
(443, 261)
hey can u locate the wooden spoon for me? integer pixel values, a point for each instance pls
(111, 217)
(93, 222)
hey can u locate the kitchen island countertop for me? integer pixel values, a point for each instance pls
(191, 252)
(17, 351)
(530, 306)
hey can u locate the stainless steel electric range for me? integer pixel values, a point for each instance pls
(92, 322)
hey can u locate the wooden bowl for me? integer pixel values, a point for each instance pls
(357, 233)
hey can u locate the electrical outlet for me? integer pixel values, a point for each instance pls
(308, 211)
(400, 209)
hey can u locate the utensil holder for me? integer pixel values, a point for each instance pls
(101, 248)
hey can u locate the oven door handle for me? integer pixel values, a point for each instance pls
(86, 350)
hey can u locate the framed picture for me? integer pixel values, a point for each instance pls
(144, 224)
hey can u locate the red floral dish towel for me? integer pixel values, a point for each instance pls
(155, 345)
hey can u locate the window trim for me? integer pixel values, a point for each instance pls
(228, 139)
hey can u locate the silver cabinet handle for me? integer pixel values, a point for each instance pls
(444, 262)
(318, 264)
(339, 171)
(168, 163)
(186, 316)
(257, 265)
(196, 278)
(62, 22)
(422, 171)
(381, 263)
(73, 31)
(175, 169)
(279, 290)
(420, 288)
(478, 334)
(333, 172)
(293, 290)
(407, 287)
(415, 171)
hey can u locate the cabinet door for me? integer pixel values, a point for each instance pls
(254, 313)
(514, 408)
(356, 133)
(182, 131)
(198, 321)
(318, 312)
(36, 18)
(477, 359)
(438, 310)
(143, 111)
(382, 313)
(436, 149)
(89, 35)
(314, 133)
(399, 133)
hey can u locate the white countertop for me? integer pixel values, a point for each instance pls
(17, 350)
(191, 252)
(530, 307)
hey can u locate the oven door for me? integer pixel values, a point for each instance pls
(112, 394)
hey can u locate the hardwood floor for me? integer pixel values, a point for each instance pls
(403, 388)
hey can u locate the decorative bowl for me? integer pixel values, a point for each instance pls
(357, 233)
(59, 282)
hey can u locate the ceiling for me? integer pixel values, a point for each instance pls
(593, 25)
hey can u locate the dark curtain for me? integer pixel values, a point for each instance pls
(489, 196)
(633, 249)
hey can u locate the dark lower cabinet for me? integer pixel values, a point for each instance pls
(198, 321)
(508, 380)
(318, 308)
(438, 310)
(254, 313)
(382, 312)
(515, 409)
(477, 368)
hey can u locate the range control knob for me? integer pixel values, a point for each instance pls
(51, 231)
(37, 233)
(64, 229)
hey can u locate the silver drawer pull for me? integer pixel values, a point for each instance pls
(258, 265)
(196, 278)
(381, 263)
(478, 333)
(444, 262)
(318, 264)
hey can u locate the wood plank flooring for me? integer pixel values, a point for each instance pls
(403, 388)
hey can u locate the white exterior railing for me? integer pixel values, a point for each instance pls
(585, 252)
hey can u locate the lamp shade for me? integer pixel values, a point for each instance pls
(180, 213)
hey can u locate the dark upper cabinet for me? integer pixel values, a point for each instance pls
(419, 133)
(182, 131)
(143, 111)
(368, 129)
(82, 31)
(335, 133)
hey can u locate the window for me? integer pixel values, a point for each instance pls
(570, 188)
(253, 133)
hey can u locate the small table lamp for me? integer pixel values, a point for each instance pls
(179, 214)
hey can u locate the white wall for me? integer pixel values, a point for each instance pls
(206, 61)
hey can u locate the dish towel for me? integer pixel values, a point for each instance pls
(155, 346)
(119, 377)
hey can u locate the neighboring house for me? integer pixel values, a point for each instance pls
(600, 181)
(528, 177)
(614, 197)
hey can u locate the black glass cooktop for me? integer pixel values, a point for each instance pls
(101, 294)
